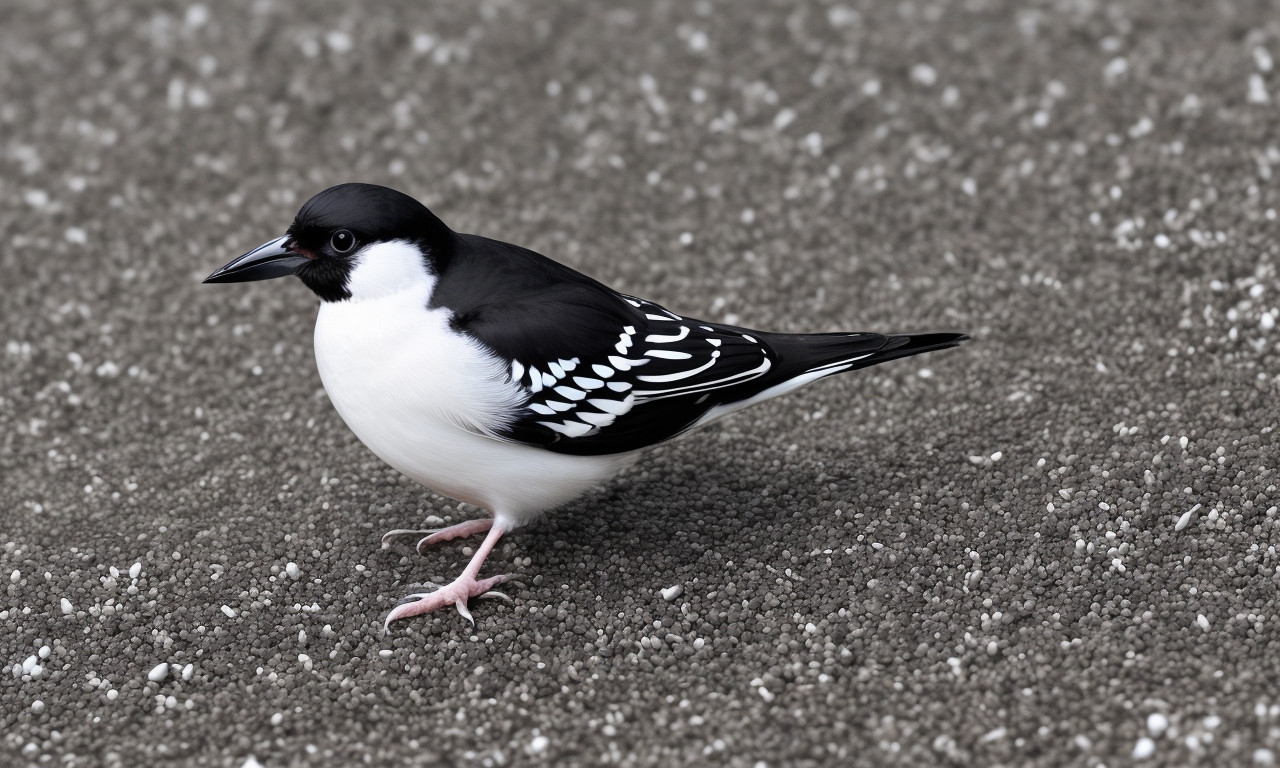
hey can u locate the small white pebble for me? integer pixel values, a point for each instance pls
(113, 694)
(539, 744)
(924, 74)
(67, 608)
(277, 718)
(338, 41)
(37, 706)
(1157, 723)
(158, 672)
(385, 653)
(1257, 90)
(229, 611)
(1144, 748)
(293, 570)
(671, 593)
(135, 570)
(813, 142)
(16, 576)
(1202, 621)
(188, 671)
(1262, 59)
(1185, 520)
(1263, 756)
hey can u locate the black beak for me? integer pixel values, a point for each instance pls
(266, 261)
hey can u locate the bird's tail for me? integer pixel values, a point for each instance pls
(814, 355)
(804, 357)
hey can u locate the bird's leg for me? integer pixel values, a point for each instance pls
(436, 535)
(460, 590)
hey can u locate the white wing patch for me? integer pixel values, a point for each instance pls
(689, 351)
(579, 404)
(682, 359)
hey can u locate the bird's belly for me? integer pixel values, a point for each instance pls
(422, 398)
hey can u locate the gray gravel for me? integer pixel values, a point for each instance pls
(981, 557)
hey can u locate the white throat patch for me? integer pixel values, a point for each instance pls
(381, 269)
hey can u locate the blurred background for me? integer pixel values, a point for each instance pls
(1055, 545)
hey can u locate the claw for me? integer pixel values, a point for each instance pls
(493, 593)
(465, 611)
(403, 533)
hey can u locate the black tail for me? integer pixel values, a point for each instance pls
(908, 344)
(812, 352)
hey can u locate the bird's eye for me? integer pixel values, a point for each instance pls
(342, 241)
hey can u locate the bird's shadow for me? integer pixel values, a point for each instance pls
(683, 514)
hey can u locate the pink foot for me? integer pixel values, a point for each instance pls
(462, 588)
(437, 535)
(456, 593)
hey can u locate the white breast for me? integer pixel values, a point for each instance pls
(426, 400)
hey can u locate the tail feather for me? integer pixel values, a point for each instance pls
(806, 357)
(908, 344)
(835, 352)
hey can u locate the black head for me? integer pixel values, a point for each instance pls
(332, 228)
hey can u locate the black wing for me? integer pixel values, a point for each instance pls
(608, 373)
(623, 386)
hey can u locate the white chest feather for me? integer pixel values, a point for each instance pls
(428, 401)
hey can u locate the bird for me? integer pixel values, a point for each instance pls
(499, 377)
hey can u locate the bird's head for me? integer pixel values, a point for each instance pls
(352, 241)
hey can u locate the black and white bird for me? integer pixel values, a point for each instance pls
(498, 377)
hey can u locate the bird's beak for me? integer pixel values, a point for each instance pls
(266, 261)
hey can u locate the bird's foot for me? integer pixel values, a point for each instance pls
(456, 593)
(436, 535)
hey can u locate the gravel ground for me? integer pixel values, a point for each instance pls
(1053, 546)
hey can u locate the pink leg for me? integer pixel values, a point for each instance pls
(437, 535)
(459, 590)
